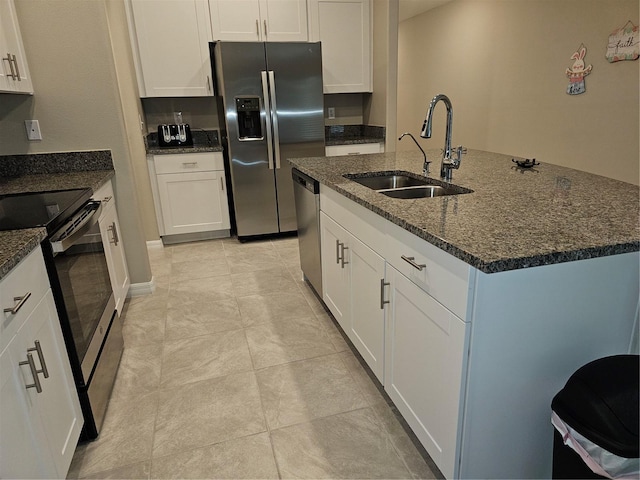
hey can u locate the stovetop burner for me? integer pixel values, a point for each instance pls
(40, 209)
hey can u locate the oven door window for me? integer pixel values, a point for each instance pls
(86, 288)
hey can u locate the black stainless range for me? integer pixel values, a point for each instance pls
(79, 277)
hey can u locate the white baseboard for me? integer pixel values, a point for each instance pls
(155, 244)
(140, 289)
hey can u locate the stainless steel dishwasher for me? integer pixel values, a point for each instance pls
(306, 192)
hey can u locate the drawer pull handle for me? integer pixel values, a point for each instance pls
(337, 251)
(342, 262)
(353, 153)
(21, 301)
(34, 373)
(382, 300)
(43, 364)
(115, 238)
(189, 164)
(411, 261)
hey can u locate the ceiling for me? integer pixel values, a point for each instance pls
(411, 8)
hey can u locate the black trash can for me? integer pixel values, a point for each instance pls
(600, 403)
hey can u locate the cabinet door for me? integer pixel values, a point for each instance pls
(172, 38)
(367, 309)
(284, 20)
(335, 273)
(424, 361)
(14, 72)
(114, 251)
(193, 202)
(23, 448)
(337, 24)
(58, 404)
(236, 20)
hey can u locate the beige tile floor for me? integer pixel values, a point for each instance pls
(233, 369)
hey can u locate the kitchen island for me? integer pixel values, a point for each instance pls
(474, 309)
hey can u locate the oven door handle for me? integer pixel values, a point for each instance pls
(79, 230)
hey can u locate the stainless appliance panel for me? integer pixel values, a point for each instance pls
(239, 67)
(307, 204)
(287, 77)
(299, 111)
(104, 376)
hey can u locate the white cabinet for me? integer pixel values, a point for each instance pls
(113, 247)
(259, 20)
(353, 149)
(466, 353)
(170, 39)
(190, 193)
(336, 280)
(412, 343)
(424, 365)
(352, 283)
(40, 416)
(14, 71)
(344, 28)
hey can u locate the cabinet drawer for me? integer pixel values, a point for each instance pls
(355, 149)
(29, 276)
(188, 162)
(444, 277)
(364, 224)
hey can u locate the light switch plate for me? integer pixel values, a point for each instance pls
(33, 129)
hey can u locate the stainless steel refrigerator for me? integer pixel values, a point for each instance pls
(273, 109)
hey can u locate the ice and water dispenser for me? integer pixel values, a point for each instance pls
(248, 114)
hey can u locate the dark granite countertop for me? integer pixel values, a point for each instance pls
(515, 218)
(16, 245)
(353, 134)
(40, 173)
(203, 141)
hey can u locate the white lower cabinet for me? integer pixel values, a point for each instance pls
(190, 193)
(112, 241)
(336, 279)
(412, 343)
(471, 360)
(352, 276)
(424, 364)
(40, 416)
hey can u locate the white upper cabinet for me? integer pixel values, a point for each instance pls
(259, 20)
(14, 72)
(171, 41)
(344, 28)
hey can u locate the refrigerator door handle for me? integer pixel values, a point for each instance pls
(267, 116)
(274, 109)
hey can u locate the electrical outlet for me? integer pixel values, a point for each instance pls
(331, 113)
(33, 129)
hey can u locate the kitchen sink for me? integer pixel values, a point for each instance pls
(388, 180)
(422, 192)
(399, 184)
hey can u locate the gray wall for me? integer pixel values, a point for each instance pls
(502, 63)
(77, 101)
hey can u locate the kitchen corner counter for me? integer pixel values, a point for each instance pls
(46, 172)
(515, 218)
(41, 182)
(16, 245)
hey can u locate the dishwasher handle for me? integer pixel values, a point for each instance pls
(305, 181)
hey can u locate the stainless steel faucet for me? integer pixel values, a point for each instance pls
(425, 165)
(448, 163)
